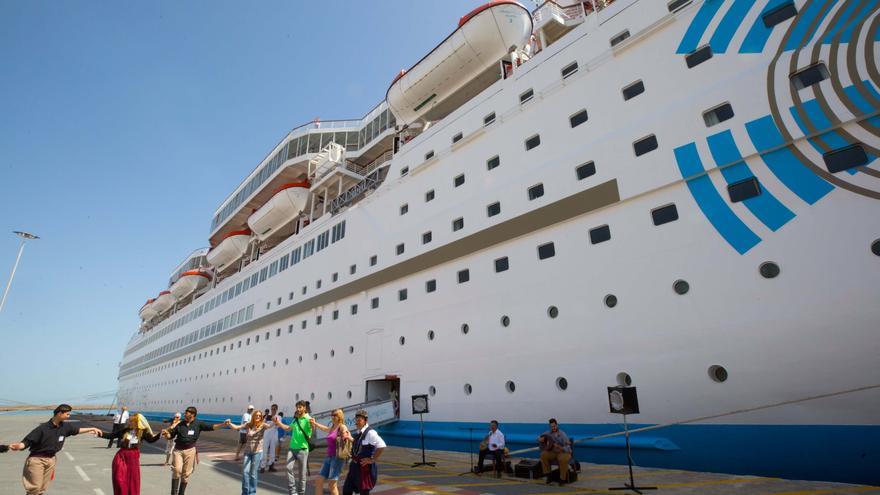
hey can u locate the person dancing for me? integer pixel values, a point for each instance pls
(126, 467)
(254, 431)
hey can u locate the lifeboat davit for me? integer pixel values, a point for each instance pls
(163, 301)
(148, 312)
(232, 246)
(285, 204)
(189, 282)
(484, 36)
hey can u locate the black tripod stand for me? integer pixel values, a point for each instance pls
(422, 435)
(631, 486)
(470, 430)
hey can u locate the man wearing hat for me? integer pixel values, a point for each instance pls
(242, 435)
(363, 472)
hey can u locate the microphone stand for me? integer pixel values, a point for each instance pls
(470, 430)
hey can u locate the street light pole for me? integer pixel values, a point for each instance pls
(25, 236)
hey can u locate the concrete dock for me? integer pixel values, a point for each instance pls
(84, 468)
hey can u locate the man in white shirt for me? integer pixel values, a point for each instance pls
(242, 435)
(119, 421)
(366, 450)
(493, 444)
(270, 442)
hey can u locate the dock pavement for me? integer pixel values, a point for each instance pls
(84, 469)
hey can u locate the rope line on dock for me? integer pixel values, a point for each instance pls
(713, 416)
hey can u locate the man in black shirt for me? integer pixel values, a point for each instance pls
(185, 434)
(44, 442)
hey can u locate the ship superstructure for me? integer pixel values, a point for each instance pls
(681, 196)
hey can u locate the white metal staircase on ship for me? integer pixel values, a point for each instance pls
(381, 412)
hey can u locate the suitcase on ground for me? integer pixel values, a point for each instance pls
(528, 468)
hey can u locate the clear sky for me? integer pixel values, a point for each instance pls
(123, 125)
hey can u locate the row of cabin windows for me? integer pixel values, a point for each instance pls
(738, 192)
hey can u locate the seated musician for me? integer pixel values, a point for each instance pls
(555, 446)
(493, 444)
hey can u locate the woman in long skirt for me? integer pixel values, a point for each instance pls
(126, 467)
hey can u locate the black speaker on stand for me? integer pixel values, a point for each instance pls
(624, 400)
(420, 407)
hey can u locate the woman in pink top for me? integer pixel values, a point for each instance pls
(332, 467)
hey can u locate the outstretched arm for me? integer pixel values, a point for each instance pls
(319, 426)
(17, 446)
(94, 431)
(281, 425)
(230, 424)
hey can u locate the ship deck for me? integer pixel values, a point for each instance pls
(84, 468)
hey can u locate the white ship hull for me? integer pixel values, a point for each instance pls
(800, 350)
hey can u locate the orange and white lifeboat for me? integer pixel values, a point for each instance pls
(147, 311)
(189, 282)
(164, 301)
(483, 37)
(231, 247)
(285, 204)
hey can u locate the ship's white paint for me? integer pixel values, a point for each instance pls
(810, 331)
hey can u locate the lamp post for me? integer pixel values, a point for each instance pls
(25, 236)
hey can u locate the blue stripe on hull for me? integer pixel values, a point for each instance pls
(719, 214)
(731, 21)
(848, 454)
(804, 28)
(784, 164)
(697, 28)
(759, 33)
(769, 210)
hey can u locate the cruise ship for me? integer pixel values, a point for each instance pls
(677, 196)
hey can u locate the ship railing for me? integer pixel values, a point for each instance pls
(372, 179)
(565, 15)
(381, 412)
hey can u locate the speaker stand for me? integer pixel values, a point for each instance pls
(422, 436)
(631, 486)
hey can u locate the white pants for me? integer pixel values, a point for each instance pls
(269, 444)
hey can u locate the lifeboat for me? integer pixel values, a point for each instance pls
(231, 247)
(147, 311)
(483, 37)
(285, 204)
(189, 282)
(163, 302)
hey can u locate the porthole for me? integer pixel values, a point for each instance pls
(312, 396)
(274, 364)
(465, 328)
(624, 380)
(681, 287)
(468, 390)
(348, 394)
(286, 361)
(611, 300)
(402, 340)
(875, 247)
(717, 373)
(430, 335)
(552, 311)
(315, 356)
(300, 359)
(769, 269)
(351, 349)
(562, 383)
(505, 321)
(510, 386)
(432, 390)
(329, 395)
(332, 353)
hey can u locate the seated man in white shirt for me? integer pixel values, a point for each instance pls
(493, 444)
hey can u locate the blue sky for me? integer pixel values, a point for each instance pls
(123, 125)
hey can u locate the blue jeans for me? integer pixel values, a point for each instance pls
(250, 472)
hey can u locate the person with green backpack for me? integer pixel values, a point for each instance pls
(300, 429)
